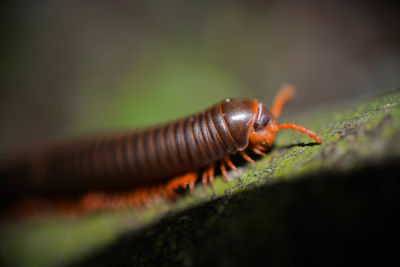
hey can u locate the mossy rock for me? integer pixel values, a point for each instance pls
(302, 203)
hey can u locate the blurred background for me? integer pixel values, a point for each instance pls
(79, 67)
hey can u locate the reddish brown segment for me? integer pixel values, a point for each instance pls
(149, 158)
(133, 159)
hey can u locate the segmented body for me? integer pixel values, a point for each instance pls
(149, 158)
(145, 157)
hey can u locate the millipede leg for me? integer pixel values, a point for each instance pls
(168, 194)
(131, 198)
(208, 176)
(185, 180)
(116, 201)
(144, 196)
(151, 195)
(223, 171)
(109, 201)
(230, 164)
(191, 185)
(256, 149)
(92, 201)
(138, 197)
(204, 178)
(157, 198)
(211, 175)
(247, 157)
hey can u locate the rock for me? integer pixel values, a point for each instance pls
(302, 203)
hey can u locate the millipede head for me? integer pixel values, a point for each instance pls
(265, 127)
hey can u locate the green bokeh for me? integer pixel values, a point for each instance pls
(168, 87)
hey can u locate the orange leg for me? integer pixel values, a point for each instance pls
(208, 175)
(139, 196)
(301, 129)
(145, 196)
(151, 194)
(223, 171)
(260, 147)
(256, 149)
(286, 92)
(185, 180)
(131, 198)
(231, 165)
(247, 157)
(115, 201)
(167, 194)
(204, 178)
(93, 201)
(211, 176)
(191, 185)
(161, 194)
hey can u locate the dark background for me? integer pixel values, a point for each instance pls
(78, 67)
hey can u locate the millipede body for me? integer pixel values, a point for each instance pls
(151, 162)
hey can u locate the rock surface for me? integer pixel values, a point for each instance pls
(302, 203)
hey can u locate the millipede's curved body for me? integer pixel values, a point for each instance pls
(151, 158)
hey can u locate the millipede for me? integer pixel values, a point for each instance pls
(141, 166)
